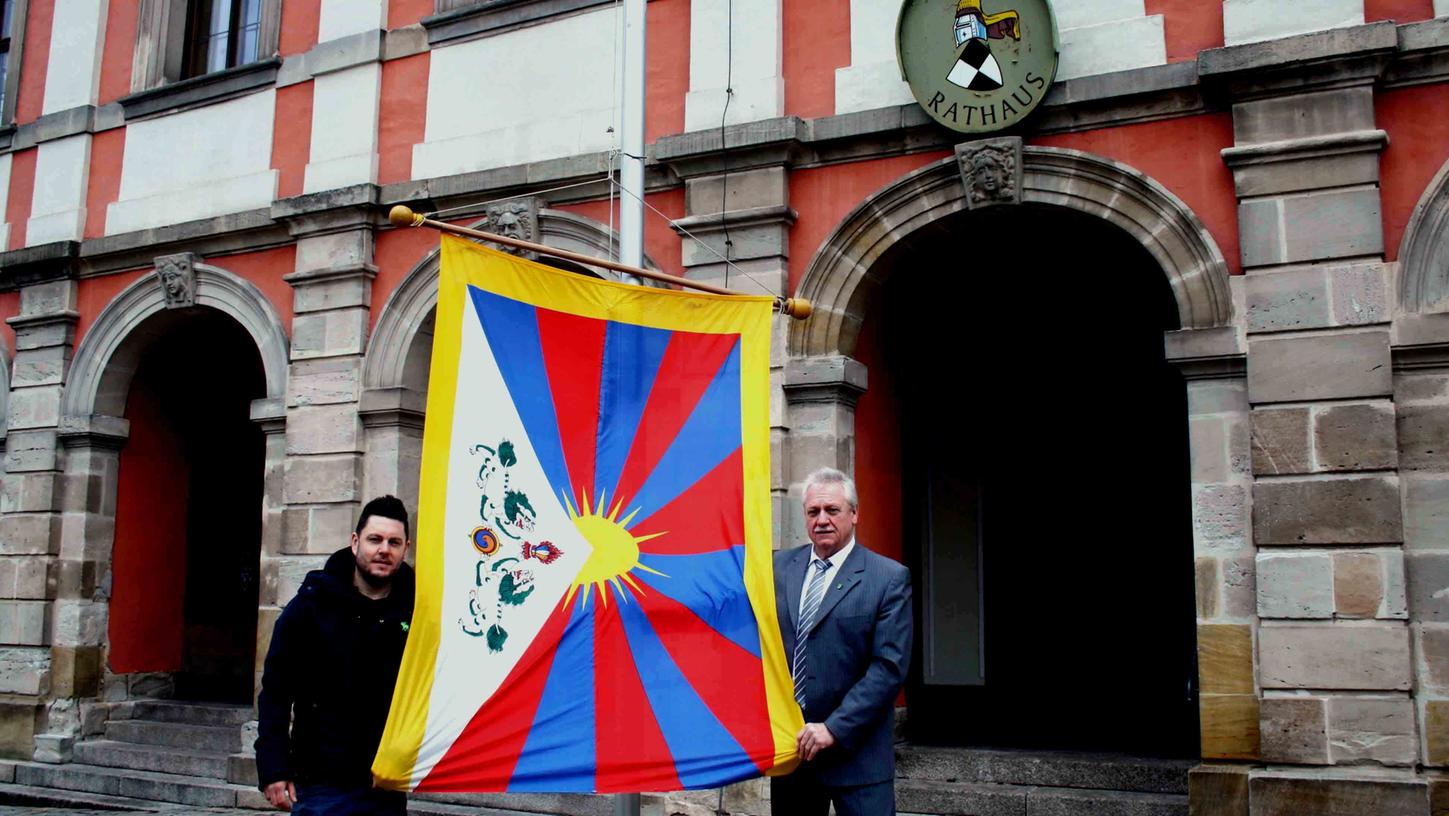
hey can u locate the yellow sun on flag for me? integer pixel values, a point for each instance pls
(616, 550)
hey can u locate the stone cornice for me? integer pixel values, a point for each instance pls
(97, 431)
(393, 407)
(341, 210)
(37, 264)
(1207, 354)
(1338, 57)
(833, 379)
(491, 17)
(1310, 147)
(751, 217)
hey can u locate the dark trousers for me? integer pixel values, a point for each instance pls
(802, 794)
(326, 800)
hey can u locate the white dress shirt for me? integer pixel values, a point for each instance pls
(834, 561)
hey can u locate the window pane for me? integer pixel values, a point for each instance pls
(216, 52)
(5, 22)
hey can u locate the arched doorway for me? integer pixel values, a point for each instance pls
(1044, 483)
(169, 468)
(1032, 281)
(188, 509)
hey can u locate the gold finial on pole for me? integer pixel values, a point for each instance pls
(403, 216)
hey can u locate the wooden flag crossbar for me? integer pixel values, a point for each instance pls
(403, 216)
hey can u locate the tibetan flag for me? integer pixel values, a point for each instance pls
(595, 607)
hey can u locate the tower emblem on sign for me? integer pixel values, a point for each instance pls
(976, 68)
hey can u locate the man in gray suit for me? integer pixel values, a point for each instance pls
(845, 613)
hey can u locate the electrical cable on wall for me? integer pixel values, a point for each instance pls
(724, 179)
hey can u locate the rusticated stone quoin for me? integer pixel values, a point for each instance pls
(1350, 510)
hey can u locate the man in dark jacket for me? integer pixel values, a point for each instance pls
(845, 613)
(330, 673)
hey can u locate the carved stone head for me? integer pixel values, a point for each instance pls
(176, 275)
(991, 171)
(514, 219)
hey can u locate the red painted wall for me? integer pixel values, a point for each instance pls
(824, 195)
(39, 16)
(815, 44)
(148, 562)
(406, 12)
(22, 191)
(93, 295)
(878, 448)
(402, 116)
(292, 137)
(1183, 155)
(119, 49)
(1418, 148)
(1189, 26)
(9, 307)
(1400, 11)
(668, 68)
(265, 270)
(661, 243)
(107, 151)
(300, 20)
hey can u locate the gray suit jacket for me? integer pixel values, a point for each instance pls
(856, 659)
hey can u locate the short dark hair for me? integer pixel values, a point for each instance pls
(390, 507)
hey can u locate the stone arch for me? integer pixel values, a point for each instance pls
(839, 278)
(392, 354)
(108, 354)
(1424, 251)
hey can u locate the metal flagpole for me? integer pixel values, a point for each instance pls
(631, 205)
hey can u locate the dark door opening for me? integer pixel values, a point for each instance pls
(1045, 487)
(189, 508)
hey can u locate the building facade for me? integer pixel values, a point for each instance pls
(1215, 533)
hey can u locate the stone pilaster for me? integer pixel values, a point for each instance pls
(321, 481)
(392, 419)
(1212, 363)
(821, 393)
(1421, 395)
(271, 416)
(737, 233)
(32, 621)
(1334, 657)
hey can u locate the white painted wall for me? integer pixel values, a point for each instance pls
(1441, 8)
(58, 206)
(1099, 42)
(873, 78)
(340, 18)
(4, 227)
(534, 93)
(197, 164)
(74, 66)
(1246, 21)
(344, 128)
(753, 69)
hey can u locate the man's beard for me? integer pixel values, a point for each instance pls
(374, 581)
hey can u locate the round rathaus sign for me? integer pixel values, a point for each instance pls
(977, 65)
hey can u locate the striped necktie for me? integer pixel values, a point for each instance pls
(814, 593)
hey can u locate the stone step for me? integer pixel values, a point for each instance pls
(417, 807)
(71, 801)
(183, 762)
(176, 735)
(1043, 769)
(555, 804)
(147, 785)
(172, 711)
(916, 797)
